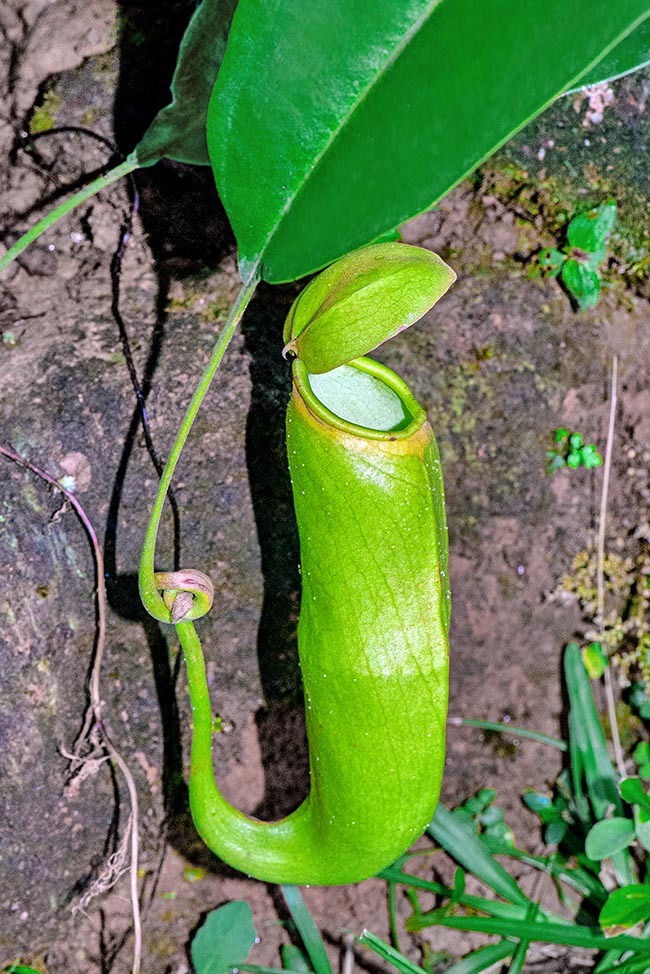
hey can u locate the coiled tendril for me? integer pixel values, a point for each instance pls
(188, 594)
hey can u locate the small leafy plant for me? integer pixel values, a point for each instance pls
(598, 829)
(225, 939)
(578, 263)
(487, 818)
(570, 451)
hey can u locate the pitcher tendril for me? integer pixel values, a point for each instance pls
(188, 594)
(150, 590)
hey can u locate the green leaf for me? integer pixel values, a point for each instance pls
(630, 55)
(595, 658)
(293, 958)
(492, 816)
(307, 929)
(590, 231)
(388, 953)
(555, 832)
(499, 837)
(483, 959)
(590, 456)
(552, 261)
(641, 752)
(540, 803)
(332, 122)
(556, 462)
(571, 935)
(225, 939)
(361, 301)
(589, 758)
(493, 907)
(460, 841)
(459, 883)
(178, 130)
(583, 283)
(626, 906)
(642, 826)
(634, 793)
(608, 837)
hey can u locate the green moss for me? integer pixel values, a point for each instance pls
(44, 115)
(197, 302)
(626, 624)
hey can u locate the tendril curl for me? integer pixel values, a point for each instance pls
(187, 593)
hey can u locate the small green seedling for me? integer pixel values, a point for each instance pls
(487, 818)
(579, 260)
(570, 451)
(223, 942)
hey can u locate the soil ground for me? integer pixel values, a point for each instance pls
(499, 364)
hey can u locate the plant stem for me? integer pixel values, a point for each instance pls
(151, 598)
(97, 185)
(600, 577)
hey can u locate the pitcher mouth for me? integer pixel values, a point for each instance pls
(363, 398)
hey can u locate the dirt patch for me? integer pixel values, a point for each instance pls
(502, 362)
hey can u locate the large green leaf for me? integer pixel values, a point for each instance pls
(178, 130)
(334, 120)
(630, 55)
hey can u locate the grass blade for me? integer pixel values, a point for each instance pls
(570, 935)
(579, 879)
(388, 953)
(460, 841)
(589, 756)
(587, 740)
(261, 969)
(519, 959)
(479, 960)
(500, 728)
(307, 929)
